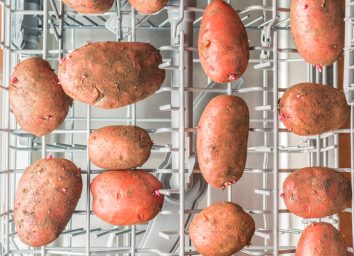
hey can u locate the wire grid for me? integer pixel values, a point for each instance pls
(268, 21)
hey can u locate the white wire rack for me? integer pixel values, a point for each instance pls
(267, 20)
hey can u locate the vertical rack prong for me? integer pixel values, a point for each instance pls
(88, 180)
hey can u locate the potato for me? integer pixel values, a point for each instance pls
(112, 74)
(119, 147)
(320, 239)
(36, 99)
(316, 192)
(46, 197)
(221, 230)
(223, 43)
(90, 6)
(317, 27)
(126, 197)
(148, 6)
(311, 109)
(222, 140)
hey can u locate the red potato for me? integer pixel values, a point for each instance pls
(221, 230)
(317, 27)
(222, 140)
(223, 43)
(112, 74)
(36, 98)
(148, 6)
(320, 239)
(46, 197)
(126, 197)
(90, 6)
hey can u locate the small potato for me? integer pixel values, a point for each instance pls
(311, 109)
(320, 239)
(221, 230)
(222, 140)
(112, 74)
(46, 197)
(36, 98)
(119, 147)
(90, 6)
(223, 43)
(316, 192)
(148, 6)
(126, 197)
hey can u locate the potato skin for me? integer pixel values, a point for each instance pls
(317, 27)
(311, 109)
(321, 239)
(126, 197)
(36, 99)
(148, 6)
(119, 147)
(222, 140)
(221, 230)
(46, 197)
(223, 53)
(316, 192)
(90, 6)
(112, 74)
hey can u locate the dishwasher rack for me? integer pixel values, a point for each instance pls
(266, 18)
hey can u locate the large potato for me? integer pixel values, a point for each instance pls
(316, 192)
(222, 140)
(148, 6)
(223, 43)
(221, 230)
(90, 6)
(112, 74)
(119, 147)
(311, 109)
(46, 198)
(317, 27)
(126, 197)
(36, 99)
(320, 239)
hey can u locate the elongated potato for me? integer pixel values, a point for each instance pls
(148, 6)
(46, 197)
(317, 27)
(119, 147)
(223, 43)
(90, 6)
(36, 99)
(320, 239)
(311, 109)
(221, 230)
(316, 192)
(126, 197)
(112, 74)
(222, 140)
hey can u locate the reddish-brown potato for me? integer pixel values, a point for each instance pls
(316, 192)
(320, 239)
(90, 6)
(46, 197)
(148, 6)
(223, 43)
(119, 147)
(221, 230)
(317, 27)
(36, 98)
(222, 140)
(112, 74)
(311, 109)
(126, 197)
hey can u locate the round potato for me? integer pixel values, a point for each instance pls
(90, 6)
(148, 6)
(221, 230)
(119, 147)
(46, 197)
(36, 98)
(126, 197)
